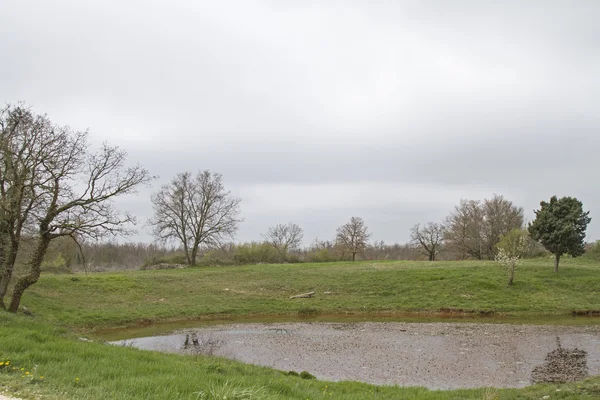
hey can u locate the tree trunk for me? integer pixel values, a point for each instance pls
(353, 256)
(9, 264)
(432, 255)
(511, 275)
(34, 273)
(556, 261)
(186, 250)
(192, 259)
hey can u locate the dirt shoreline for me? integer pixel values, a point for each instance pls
(434, 355)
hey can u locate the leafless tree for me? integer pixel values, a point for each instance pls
(353, 236)
(284, 238)
(428, 239)
(195, 211)
(474, 228)
(53, 186)
(463, 230)
(501, 216)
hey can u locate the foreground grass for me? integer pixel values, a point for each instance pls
(73, 369)
(111, 299)
(64, 303)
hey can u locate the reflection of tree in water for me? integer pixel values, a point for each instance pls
(207, 345)
(562, 365)
(194, 341)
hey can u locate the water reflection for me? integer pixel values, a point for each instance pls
(434, 355)
(562, 365)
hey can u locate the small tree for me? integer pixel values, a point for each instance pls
(560, 226)
(195, 211)
(284, 238)
(353, 236)
(510, 251)
(428, 239)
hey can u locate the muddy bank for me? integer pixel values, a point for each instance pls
(434, 355)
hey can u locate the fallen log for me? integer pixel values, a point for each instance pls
(303, 295)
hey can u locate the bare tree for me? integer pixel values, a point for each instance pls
(53, 186)
(462, 232)
(284, 238)
(474, 228)
(428, 239)
(353, 236)
(195, 211)
(501, 216)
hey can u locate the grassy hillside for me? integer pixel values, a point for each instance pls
(45, 345)
(109, 299)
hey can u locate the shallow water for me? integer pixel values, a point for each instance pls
(434, 355)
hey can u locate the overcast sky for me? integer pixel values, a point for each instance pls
(316, 111)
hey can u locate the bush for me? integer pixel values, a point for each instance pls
(323, 255)
(173, 259)
(254, 252)
(307, 375)
(215, 258)
(57, 266)
(593, 252)
(534, 249)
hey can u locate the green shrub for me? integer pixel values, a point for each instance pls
(215, 258)
(254, 252)
(593, 252)
(57, 266)
(323, 255)
(307, 375)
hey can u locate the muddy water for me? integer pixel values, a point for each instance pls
(434, 355)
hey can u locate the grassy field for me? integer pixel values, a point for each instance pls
(116, 299)
(64, 306)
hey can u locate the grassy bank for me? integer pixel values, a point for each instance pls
(73, 369)
(111, 299)
(45, 346)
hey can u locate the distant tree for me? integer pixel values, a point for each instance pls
(500, 216)
(284, 238)
(53, 186)
(429, 239)
(510, 251)
(463, 230)
(195, 211)
(353, 236)
(560, 226)
(474, 228)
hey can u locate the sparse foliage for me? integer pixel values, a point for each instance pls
(510, 251)
(284, 238)
(474, 228)
(560, 226)
(428, 239)
(195, 211)
(353, 236)
(53, 186)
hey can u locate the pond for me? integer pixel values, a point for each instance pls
(433, 355)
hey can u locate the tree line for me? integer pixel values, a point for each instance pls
(56, 192)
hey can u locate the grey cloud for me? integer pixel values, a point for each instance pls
(443, 99)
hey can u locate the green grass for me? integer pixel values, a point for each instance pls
(63, 304)
(111, 372)
(117, 299)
